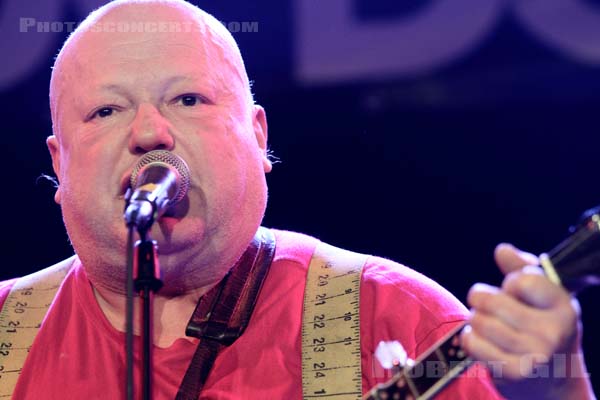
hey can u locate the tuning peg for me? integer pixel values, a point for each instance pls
(391, 355)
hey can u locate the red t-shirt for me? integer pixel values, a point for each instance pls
(79, 354)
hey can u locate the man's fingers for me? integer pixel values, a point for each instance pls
(492, 301)
(505, 337)
(531, 287)
(510, 259)
(543, 317)
(501, 364)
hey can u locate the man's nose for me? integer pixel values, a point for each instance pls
(150, 131)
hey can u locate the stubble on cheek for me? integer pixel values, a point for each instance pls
(97, 236)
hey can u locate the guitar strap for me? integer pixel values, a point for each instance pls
(331, 363)
(223, 314)
(21, 318)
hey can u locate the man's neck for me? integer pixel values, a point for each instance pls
(171, 314)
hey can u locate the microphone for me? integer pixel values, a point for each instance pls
(159, 180)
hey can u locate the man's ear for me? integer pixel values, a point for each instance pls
(259, 124)
(54, 148)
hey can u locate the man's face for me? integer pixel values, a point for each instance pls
(121, 95)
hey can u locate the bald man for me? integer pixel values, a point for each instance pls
(116, 96)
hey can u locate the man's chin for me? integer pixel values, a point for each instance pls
(176, 235)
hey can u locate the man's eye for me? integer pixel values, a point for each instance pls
(103, 112)
(189, 100)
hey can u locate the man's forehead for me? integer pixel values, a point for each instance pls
(157, 31)
(160, 47)
(105, 59)
(150, 23)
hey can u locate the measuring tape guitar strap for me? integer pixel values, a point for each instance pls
(331, 366)
(21, 318)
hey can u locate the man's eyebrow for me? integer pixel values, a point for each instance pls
(112, 87)
(167, 82)
(199, 83)
(122, 90)
(178, 78)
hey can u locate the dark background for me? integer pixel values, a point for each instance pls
(430, 167)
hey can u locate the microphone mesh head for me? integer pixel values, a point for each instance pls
(169, 160)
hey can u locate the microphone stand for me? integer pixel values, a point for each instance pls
(146, 283)
(129, 313)
(143, 275)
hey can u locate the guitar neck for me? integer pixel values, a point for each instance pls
(430, 373)
(575, 262)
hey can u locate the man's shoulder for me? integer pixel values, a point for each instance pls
(54, 272)
(294, 246)
(5, 287)
(381, 277)
(416, 287)
(405, 305)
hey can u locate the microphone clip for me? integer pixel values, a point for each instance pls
(139, 213)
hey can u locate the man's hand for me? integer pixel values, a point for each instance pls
(528, 332)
